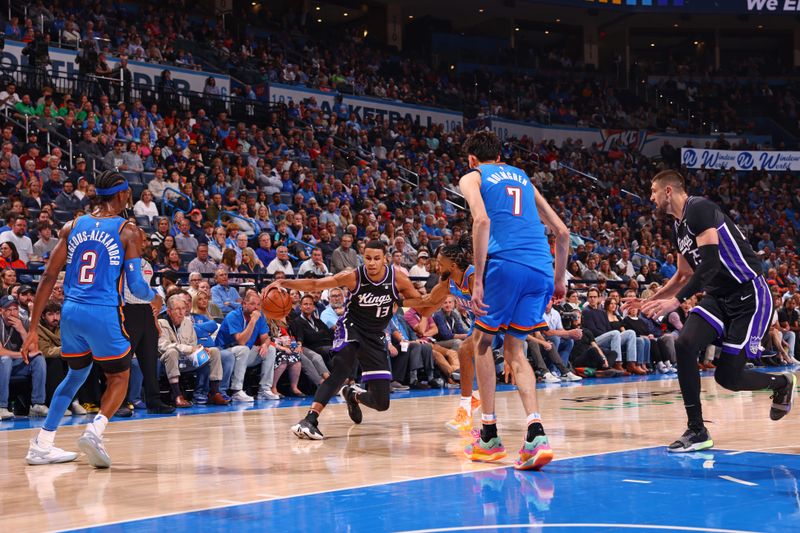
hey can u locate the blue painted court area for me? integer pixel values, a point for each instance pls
(639, 490)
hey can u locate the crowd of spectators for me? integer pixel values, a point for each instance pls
(691, 97)
(228, 205)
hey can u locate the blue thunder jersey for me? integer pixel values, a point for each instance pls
(516, 233)
(462, 292)
(95, 257)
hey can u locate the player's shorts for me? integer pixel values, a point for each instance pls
(741, 318)
(94, 332)
(517, 296)
(371, 346)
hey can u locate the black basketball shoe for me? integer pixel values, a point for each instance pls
(692, 440)
(305, 429)
(348, 394)
(783, 397)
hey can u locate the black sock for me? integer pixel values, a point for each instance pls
(695, 414)
(534, 430)
(176, 389)
(312, 416)
(214, 385)
(488, 432)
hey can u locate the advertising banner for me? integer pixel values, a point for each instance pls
(62, 64)
(740, 159)
(363, 107)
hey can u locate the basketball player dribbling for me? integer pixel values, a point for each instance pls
(716, 259)
(96, 249)
(513, 282)
(374, 289)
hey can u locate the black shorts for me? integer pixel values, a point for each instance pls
(370, 346)
(111, 366)
(741, 318)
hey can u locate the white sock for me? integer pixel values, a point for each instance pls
(466, 403)
(98, 425)
(45, 438)
(534, 417)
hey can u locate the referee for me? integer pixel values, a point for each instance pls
(141, 327)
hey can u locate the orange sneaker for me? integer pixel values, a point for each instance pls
(462, 421)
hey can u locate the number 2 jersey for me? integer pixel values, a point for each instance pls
(738, 262)
(516, 233)
(95, 257)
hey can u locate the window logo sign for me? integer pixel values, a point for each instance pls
(744, 160)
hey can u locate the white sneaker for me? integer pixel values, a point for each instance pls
(548, 377)
(5, 414)
(38, 455)
(242, 397)
(38, 410)
(670, 368)
(794, 361)
(571, 376)
(92, 445)
(266, 395)
(77, 409)
(661, 368)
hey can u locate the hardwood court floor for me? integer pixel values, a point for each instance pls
(179, 464)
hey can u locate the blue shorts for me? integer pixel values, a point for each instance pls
(517, 296)
(94, 331)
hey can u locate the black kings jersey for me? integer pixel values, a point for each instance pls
(739, 263)
(370, 305)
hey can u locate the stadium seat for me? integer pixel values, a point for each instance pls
(62, 217)
(132, 177)
(186, 257)
(147, 177)
(136, 190)
(143, 222)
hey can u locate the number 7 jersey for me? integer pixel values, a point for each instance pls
(95, 257)
(516, 233)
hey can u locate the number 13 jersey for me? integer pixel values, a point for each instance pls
(370, 305)
(95, 257)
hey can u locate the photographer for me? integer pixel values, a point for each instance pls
(87, 63)
(38, 55)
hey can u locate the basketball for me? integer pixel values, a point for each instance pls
(276, 303)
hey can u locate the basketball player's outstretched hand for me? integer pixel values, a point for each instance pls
(657, 308)
(631, 302)
(277, 284)
(30, 346)
(478, 307)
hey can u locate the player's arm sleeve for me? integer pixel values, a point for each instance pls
(136, 283)
(703, 274)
